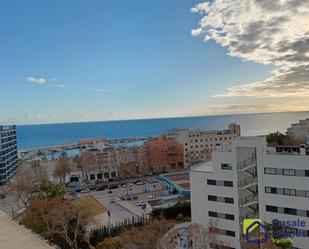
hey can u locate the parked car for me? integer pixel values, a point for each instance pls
(74, 197)
(85, 190)
(129, 184)
(110, 192)
(140, 203)
(140, 183)
(112, 200)
(71, 193)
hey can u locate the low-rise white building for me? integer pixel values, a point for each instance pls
(299, 130)
(199, 144)
(248, 181)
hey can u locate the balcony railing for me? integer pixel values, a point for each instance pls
(246, 182)
(247, 162)
(248, 200)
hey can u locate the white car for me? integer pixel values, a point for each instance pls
(140, 203)
(129, 184)
(140, 183)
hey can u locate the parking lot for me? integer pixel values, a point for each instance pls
(121, 209)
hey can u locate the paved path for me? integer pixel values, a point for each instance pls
(13, 236)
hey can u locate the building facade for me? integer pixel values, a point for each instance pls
(252, 181)
(161, 154)
(8, 153)
(199, 144)
(299, 130)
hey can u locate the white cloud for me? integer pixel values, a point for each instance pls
(98, 89)
(40, 81)
(266, 32)
(196, 32)
(201, 7)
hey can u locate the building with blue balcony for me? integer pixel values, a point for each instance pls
(8, 152)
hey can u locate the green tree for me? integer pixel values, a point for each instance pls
(276, 138)
(51, 189)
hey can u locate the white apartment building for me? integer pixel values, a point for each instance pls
(199, 144)
(299, 130)
(251, 180)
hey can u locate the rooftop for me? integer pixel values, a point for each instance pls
(205, 166)
(302, 150)
(180, 181)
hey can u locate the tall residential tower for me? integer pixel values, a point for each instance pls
(8, 152)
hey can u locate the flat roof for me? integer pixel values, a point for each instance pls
(179, 180)
(205, 166)
(14, 236)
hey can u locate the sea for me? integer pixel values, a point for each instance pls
(44, 135)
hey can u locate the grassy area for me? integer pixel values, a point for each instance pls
(93, 206)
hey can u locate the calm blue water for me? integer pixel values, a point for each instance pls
(32, 136)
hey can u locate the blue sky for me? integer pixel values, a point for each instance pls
(79, 60)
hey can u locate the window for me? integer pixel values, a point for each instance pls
(288, 191)
(270, 171)
(289, 172)
(212, 198)
(306, 172)
(273, 209)
(211, 182)
(270, 190)
(291, 211)
(212, 214)
(229, 217)
(226, 166)
(228, 183)
(99, 176)
(229, 200)
(230, 233)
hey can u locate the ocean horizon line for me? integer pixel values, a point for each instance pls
(156, 118)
